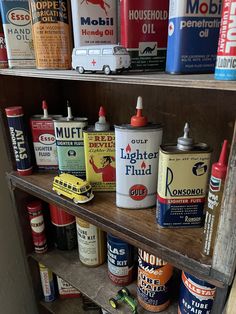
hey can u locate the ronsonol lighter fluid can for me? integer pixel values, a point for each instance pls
(196, 296)
(47, 281)
(137, 147)
(182, 182)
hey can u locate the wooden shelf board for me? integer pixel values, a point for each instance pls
(181, 247)
(203, 81)
(92, 282)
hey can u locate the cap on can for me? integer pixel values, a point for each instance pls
(102, 124)
(34, 206)
(59, 216)
(185, 142)
(14, 111)
(139, 120)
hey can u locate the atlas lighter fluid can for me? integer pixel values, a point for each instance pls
(154, 279)
(47, 282)
(193, 35)
(94, 22)
(137, 148)
(196, 296)
(182, 182)
(226, 54)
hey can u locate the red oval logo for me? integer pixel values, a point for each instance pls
(138, 192)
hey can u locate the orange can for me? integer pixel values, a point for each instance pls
(154, 278)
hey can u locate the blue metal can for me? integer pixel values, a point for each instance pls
(196, 296)
(48, 286)
(19, 139)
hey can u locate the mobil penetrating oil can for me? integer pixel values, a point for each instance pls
(94, 22)
(137, 149)
(182, 182)
(154, 279)
(193, 35)
(196, 295)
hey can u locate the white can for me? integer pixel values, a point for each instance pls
(94, 22)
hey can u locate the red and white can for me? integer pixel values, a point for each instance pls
(66, 291)
(3, 51)
(37, 226)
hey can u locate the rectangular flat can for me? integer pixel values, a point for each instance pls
(193, 35)
(18, 33)
(99, 150)
(181, 189)
(144, 28)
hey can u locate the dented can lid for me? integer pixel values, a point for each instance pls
(14, 111)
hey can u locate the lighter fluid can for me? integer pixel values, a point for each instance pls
(137, 147)
(196, 296)
(47, 282)
(154, 279)
(3, 51)
(91, 243)
(182, 182)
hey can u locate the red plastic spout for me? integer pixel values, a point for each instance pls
(139, 120)
(219, 168)
(102, 112)
(44, 104)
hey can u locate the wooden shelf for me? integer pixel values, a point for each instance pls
(92, 282)
(202, 81)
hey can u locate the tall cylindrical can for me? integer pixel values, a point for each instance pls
(48, 286)
(51, 33)
(64, 228)
(15, 117)
(137, 146)
(196, 296)
(70, 145)
(37, 226)
(226, 54)
(154, 279)
(3, 51)
(91, 243)
(120, 258)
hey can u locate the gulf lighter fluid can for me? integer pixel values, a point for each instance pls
(137, 147)
(70, 144)
(18, 33)
(182, 182)
(44, 141)
(226, 54)
(3, 51)
(193, 35)
(47, 282)
(15, 118)
(154, 279)
(196, 296)
(120, 260)
(99, 148)
(94, 22)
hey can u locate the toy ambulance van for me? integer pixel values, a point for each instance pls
(106, 58)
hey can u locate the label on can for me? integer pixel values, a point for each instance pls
(181, 198)
(18, 33)
(47, 283)
(66, 290)
(144, 28)
(44, 143)
(3, 51)
(193, 35)
(70, 146)
(90, 243)
(196, 296)
(226, 55)
(94, 22)
(38, 232)
(51, 33)
(99, 148)
(136, 166)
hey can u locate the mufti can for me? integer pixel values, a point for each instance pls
(137, 146)
(154, 279)
(120, 257)
(47, 282)
(15, 117)
(196, 296)
(64, 228)
(37, 226)
(181, 197)
(66, 291)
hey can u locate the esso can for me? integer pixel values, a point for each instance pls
(154, 279)
(37, 226)
(15, 118)
(47, 282)
(120, 256)
(196, 296)
(64, 228)
(66, 291)
(91, 243)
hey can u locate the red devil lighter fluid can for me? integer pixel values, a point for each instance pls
(182, 182)
(19, 139)
(154, 279)
(196, 296)
(47, 282)
(37, 226)
(137, 146)
(120, 261)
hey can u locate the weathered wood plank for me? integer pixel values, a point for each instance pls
(231, 303)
